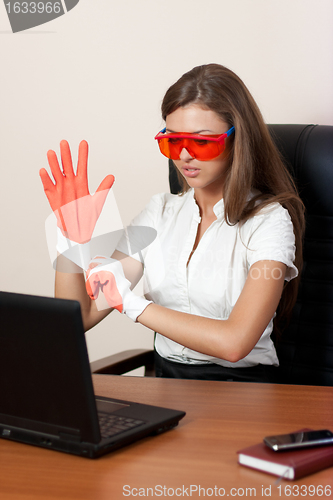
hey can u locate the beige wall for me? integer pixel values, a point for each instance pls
(100, 72)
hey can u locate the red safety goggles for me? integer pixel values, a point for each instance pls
(201, 147)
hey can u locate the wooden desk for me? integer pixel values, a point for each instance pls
(222, 417)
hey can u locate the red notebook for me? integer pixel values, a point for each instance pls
(287, 464)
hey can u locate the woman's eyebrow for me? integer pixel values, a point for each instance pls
(194, 133)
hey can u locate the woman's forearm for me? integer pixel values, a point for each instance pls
(231, 339)
(208, 336)
(70, 284)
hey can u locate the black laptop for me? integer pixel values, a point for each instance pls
(46, 391)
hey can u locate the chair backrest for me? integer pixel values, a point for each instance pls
(306, 348)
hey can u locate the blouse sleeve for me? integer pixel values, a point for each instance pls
(272, 238)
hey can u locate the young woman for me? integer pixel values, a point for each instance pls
(228, 249)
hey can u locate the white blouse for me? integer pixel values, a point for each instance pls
(212, 281)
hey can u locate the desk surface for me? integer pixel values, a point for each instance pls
(222, 417)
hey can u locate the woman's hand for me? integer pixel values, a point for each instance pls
(107, 275)
(103, 280)
(76, 210)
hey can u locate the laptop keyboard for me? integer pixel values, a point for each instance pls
(111, 424)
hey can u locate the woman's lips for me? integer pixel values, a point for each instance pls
(190, 172)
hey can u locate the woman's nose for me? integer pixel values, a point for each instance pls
(185, 155)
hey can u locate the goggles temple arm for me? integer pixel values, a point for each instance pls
(229, 132)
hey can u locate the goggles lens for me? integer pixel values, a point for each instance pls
(201, 147)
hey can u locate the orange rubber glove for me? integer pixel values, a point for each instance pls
(76, 210)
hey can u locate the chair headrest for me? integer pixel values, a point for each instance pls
(308, 150)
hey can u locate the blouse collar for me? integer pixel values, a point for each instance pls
(218, 208)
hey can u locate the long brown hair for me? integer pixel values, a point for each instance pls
(255, 162)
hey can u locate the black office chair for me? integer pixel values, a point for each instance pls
(306, 348)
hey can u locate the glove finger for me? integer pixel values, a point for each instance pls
(106, 184)
(66, 159)
(82, 164)
(46, 180)
(54, 166)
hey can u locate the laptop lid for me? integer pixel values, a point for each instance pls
(45, 381)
